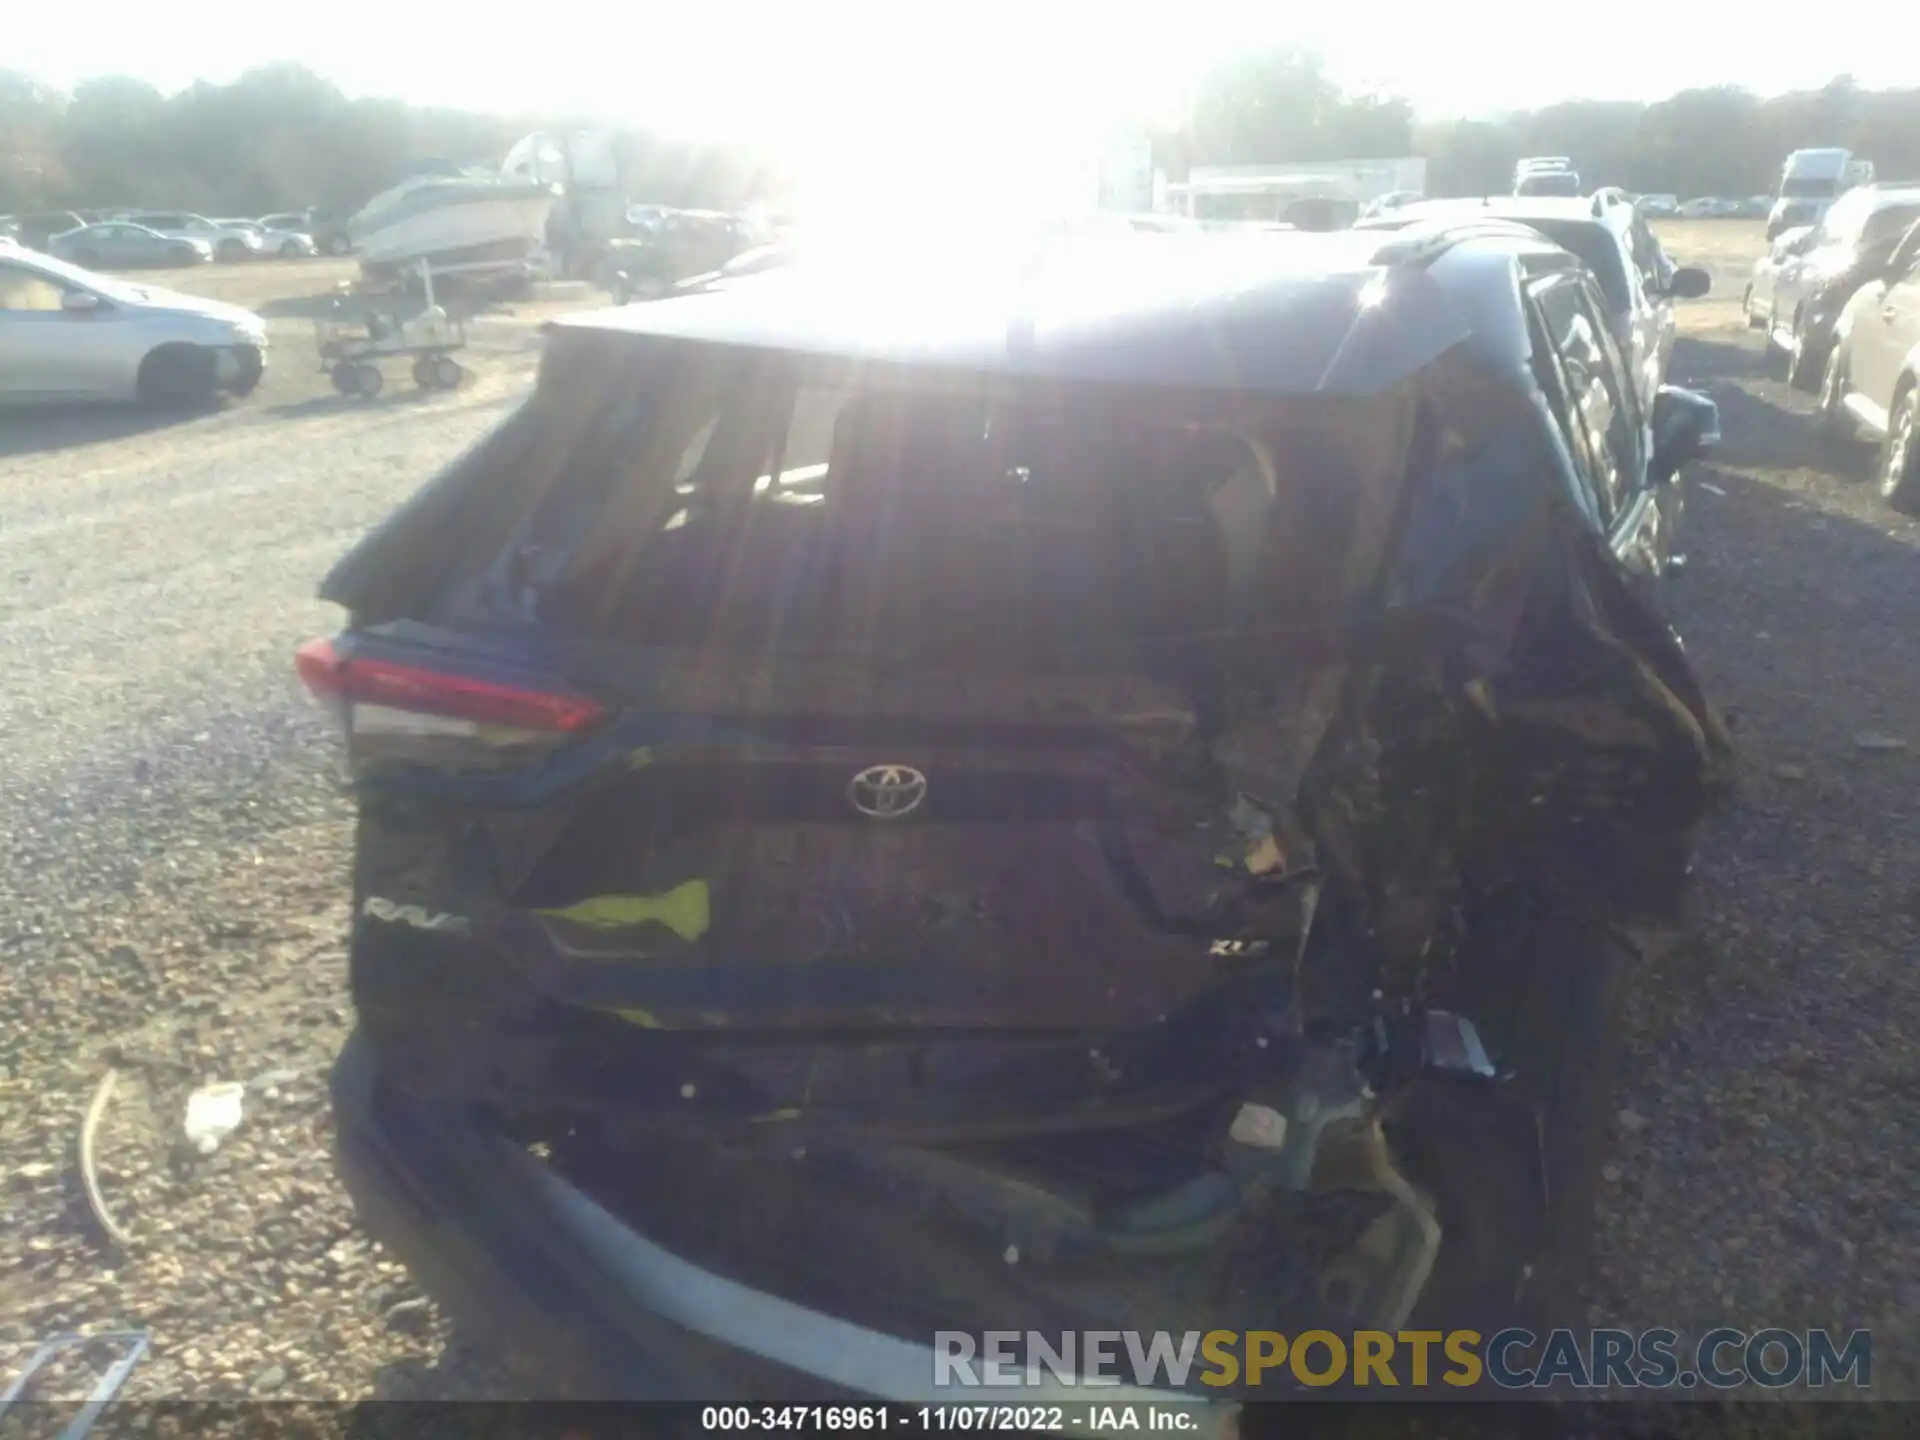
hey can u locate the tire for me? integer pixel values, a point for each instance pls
(338, 245)
(447, 372)
(1900, 453)
(179, 377)
(1805, 361)
(1837, 429)
(368, 381)
(425, 374)
(1516, 1171)
(184, 257)
(343, 377)
(252, 370)
(230, 251)
(291, 250)
(90, 259)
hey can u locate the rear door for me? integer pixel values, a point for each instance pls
(125, 245)
(1886, 331)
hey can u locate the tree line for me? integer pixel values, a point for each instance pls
(1279, 105)
(283, 138)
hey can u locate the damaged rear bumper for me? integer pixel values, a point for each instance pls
(513, 1250)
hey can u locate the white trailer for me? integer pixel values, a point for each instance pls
(1288, 193)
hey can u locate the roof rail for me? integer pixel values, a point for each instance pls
(1423, 243)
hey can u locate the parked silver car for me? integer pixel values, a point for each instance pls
(229, 242)
(275, 240)
(119, 244)
(289, 225)
(1872, 378)
(1757, 301)
(70, 334)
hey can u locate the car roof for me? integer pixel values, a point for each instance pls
(1277, 312)
(1884, 195)
(1610, 212)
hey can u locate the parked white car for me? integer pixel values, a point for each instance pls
(229, 242)
(70, 334)
(284, 235)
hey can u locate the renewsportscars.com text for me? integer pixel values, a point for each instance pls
(1721, 1359)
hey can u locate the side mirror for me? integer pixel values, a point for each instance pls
(1689, 283)
(1686, 427)
(80, 302)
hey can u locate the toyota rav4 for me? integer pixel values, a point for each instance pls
(1113, 789)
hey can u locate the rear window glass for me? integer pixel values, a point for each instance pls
(756, 505)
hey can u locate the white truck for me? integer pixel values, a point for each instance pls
(1546, 175)
(1810, 181)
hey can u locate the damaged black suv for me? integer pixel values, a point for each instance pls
(1110, 790)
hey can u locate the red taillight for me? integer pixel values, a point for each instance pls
(333, 676)
(319, 666)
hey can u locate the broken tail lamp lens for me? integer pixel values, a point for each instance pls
(379, 700)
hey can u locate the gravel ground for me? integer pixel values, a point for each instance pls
(171, 881)
(1768, 1172)
(172, 886)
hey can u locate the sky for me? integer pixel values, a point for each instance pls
(897, 83)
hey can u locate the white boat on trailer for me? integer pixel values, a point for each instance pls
(473, 218)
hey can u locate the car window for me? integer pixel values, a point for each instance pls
(1904, 264)
(1648, 257)
(1551, 374)
(1601, 405)
(22, 289)
(1885, 226)
(1597, 249)
(820, 508)
(1842, 223)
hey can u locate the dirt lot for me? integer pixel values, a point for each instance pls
(172, 901)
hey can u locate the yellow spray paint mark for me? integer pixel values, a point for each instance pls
(641, 758)
(773, 1116)
(1266, 856)
(686, 910)
(643, 1018)
(1482, 697)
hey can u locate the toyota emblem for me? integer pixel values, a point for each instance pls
(886, 792)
